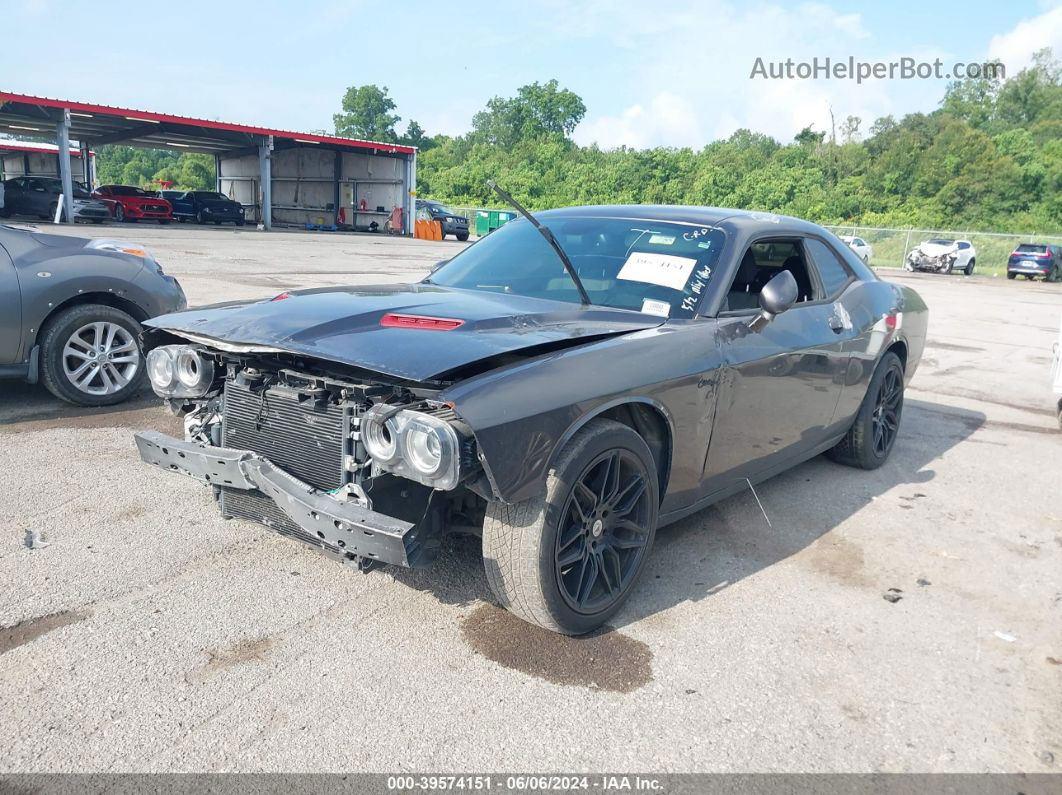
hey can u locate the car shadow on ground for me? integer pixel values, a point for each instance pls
(30, 407)
(721, 545)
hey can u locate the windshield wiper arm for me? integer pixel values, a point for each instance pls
(546, 233)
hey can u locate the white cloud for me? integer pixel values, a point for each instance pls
(694, 82)
(1016, 47)
(666, 117)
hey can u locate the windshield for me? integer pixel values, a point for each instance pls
(441, 208)
(941, 242)
(125, 190)
(648, 266)
(1032, 248)
(210, 197)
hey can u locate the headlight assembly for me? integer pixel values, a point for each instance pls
(413, 444)
(180, 371)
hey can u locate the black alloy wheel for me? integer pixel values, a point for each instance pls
(886, 418)
(604, 532)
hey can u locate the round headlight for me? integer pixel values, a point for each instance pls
(423, 449)
(380, 436)
(193, 370)
(161, 370)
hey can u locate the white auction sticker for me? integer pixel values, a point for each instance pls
(666, 270)
(658, 308)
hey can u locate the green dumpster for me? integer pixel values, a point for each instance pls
(482, 223)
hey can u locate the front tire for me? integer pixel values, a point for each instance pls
(90, 355)
(462, 236)
(568, 559)
(870, 440)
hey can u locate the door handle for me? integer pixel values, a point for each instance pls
(836, 324)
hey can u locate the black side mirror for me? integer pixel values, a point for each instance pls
(778, 295)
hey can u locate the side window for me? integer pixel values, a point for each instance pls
(859, 242)
(763, 261)
(963, 244)
(832, 273)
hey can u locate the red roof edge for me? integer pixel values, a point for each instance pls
(16, 147)
(109, 110)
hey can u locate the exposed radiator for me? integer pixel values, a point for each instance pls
(305, 441)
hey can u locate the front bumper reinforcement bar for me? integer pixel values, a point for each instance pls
(356, 530)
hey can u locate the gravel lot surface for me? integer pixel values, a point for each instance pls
(151, 635)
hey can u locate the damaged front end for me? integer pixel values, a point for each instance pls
(369, 470)
(934, 262)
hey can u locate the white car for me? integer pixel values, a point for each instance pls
(942, 255)
(861, 247)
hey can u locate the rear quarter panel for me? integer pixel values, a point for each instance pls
(870, 306)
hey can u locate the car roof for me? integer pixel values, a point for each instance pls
(744, 221)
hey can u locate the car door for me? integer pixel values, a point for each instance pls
(780, 385)
(10, 311)
(964, 255)
(14, 196)
(185, 204)
(38, 198)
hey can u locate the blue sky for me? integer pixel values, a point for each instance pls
(650, 74)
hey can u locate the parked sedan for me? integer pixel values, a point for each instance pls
(452, 223)
(134, 204)
(39, 197)
(942, 255)
(559, 391)
(206, 206)
(71, 309)
(862, 249)
(1036, 259)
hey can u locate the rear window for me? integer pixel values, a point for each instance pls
(833, 274)
(1032, 248)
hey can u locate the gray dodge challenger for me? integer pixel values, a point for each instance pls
(561, 388)
(70, 312)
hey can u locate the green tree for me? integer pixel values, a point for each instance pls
(415, 136)
(367, 114)
(537, 109)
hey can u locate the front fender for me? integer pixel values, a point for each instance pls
(523, 414)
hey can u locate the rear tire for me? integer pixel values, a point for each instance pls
(119, 213)
(970, 267)
(568, 559)
(63, 351)
(1011, 275)
(870, 440)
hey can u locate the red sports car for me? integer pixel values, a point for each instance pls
(131, 204)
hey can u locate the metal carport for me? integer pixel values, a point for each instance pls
(31, 159)
(317, 177)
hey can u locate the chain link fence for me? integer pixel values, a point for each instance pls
(890, 246)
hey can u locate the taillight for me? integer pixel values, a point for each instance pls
(395, 320)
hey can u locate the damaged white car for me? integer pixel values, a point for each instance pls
(942, 255)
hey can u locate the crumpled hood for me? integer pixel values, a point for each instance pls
(343, 325)
(936, 250)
